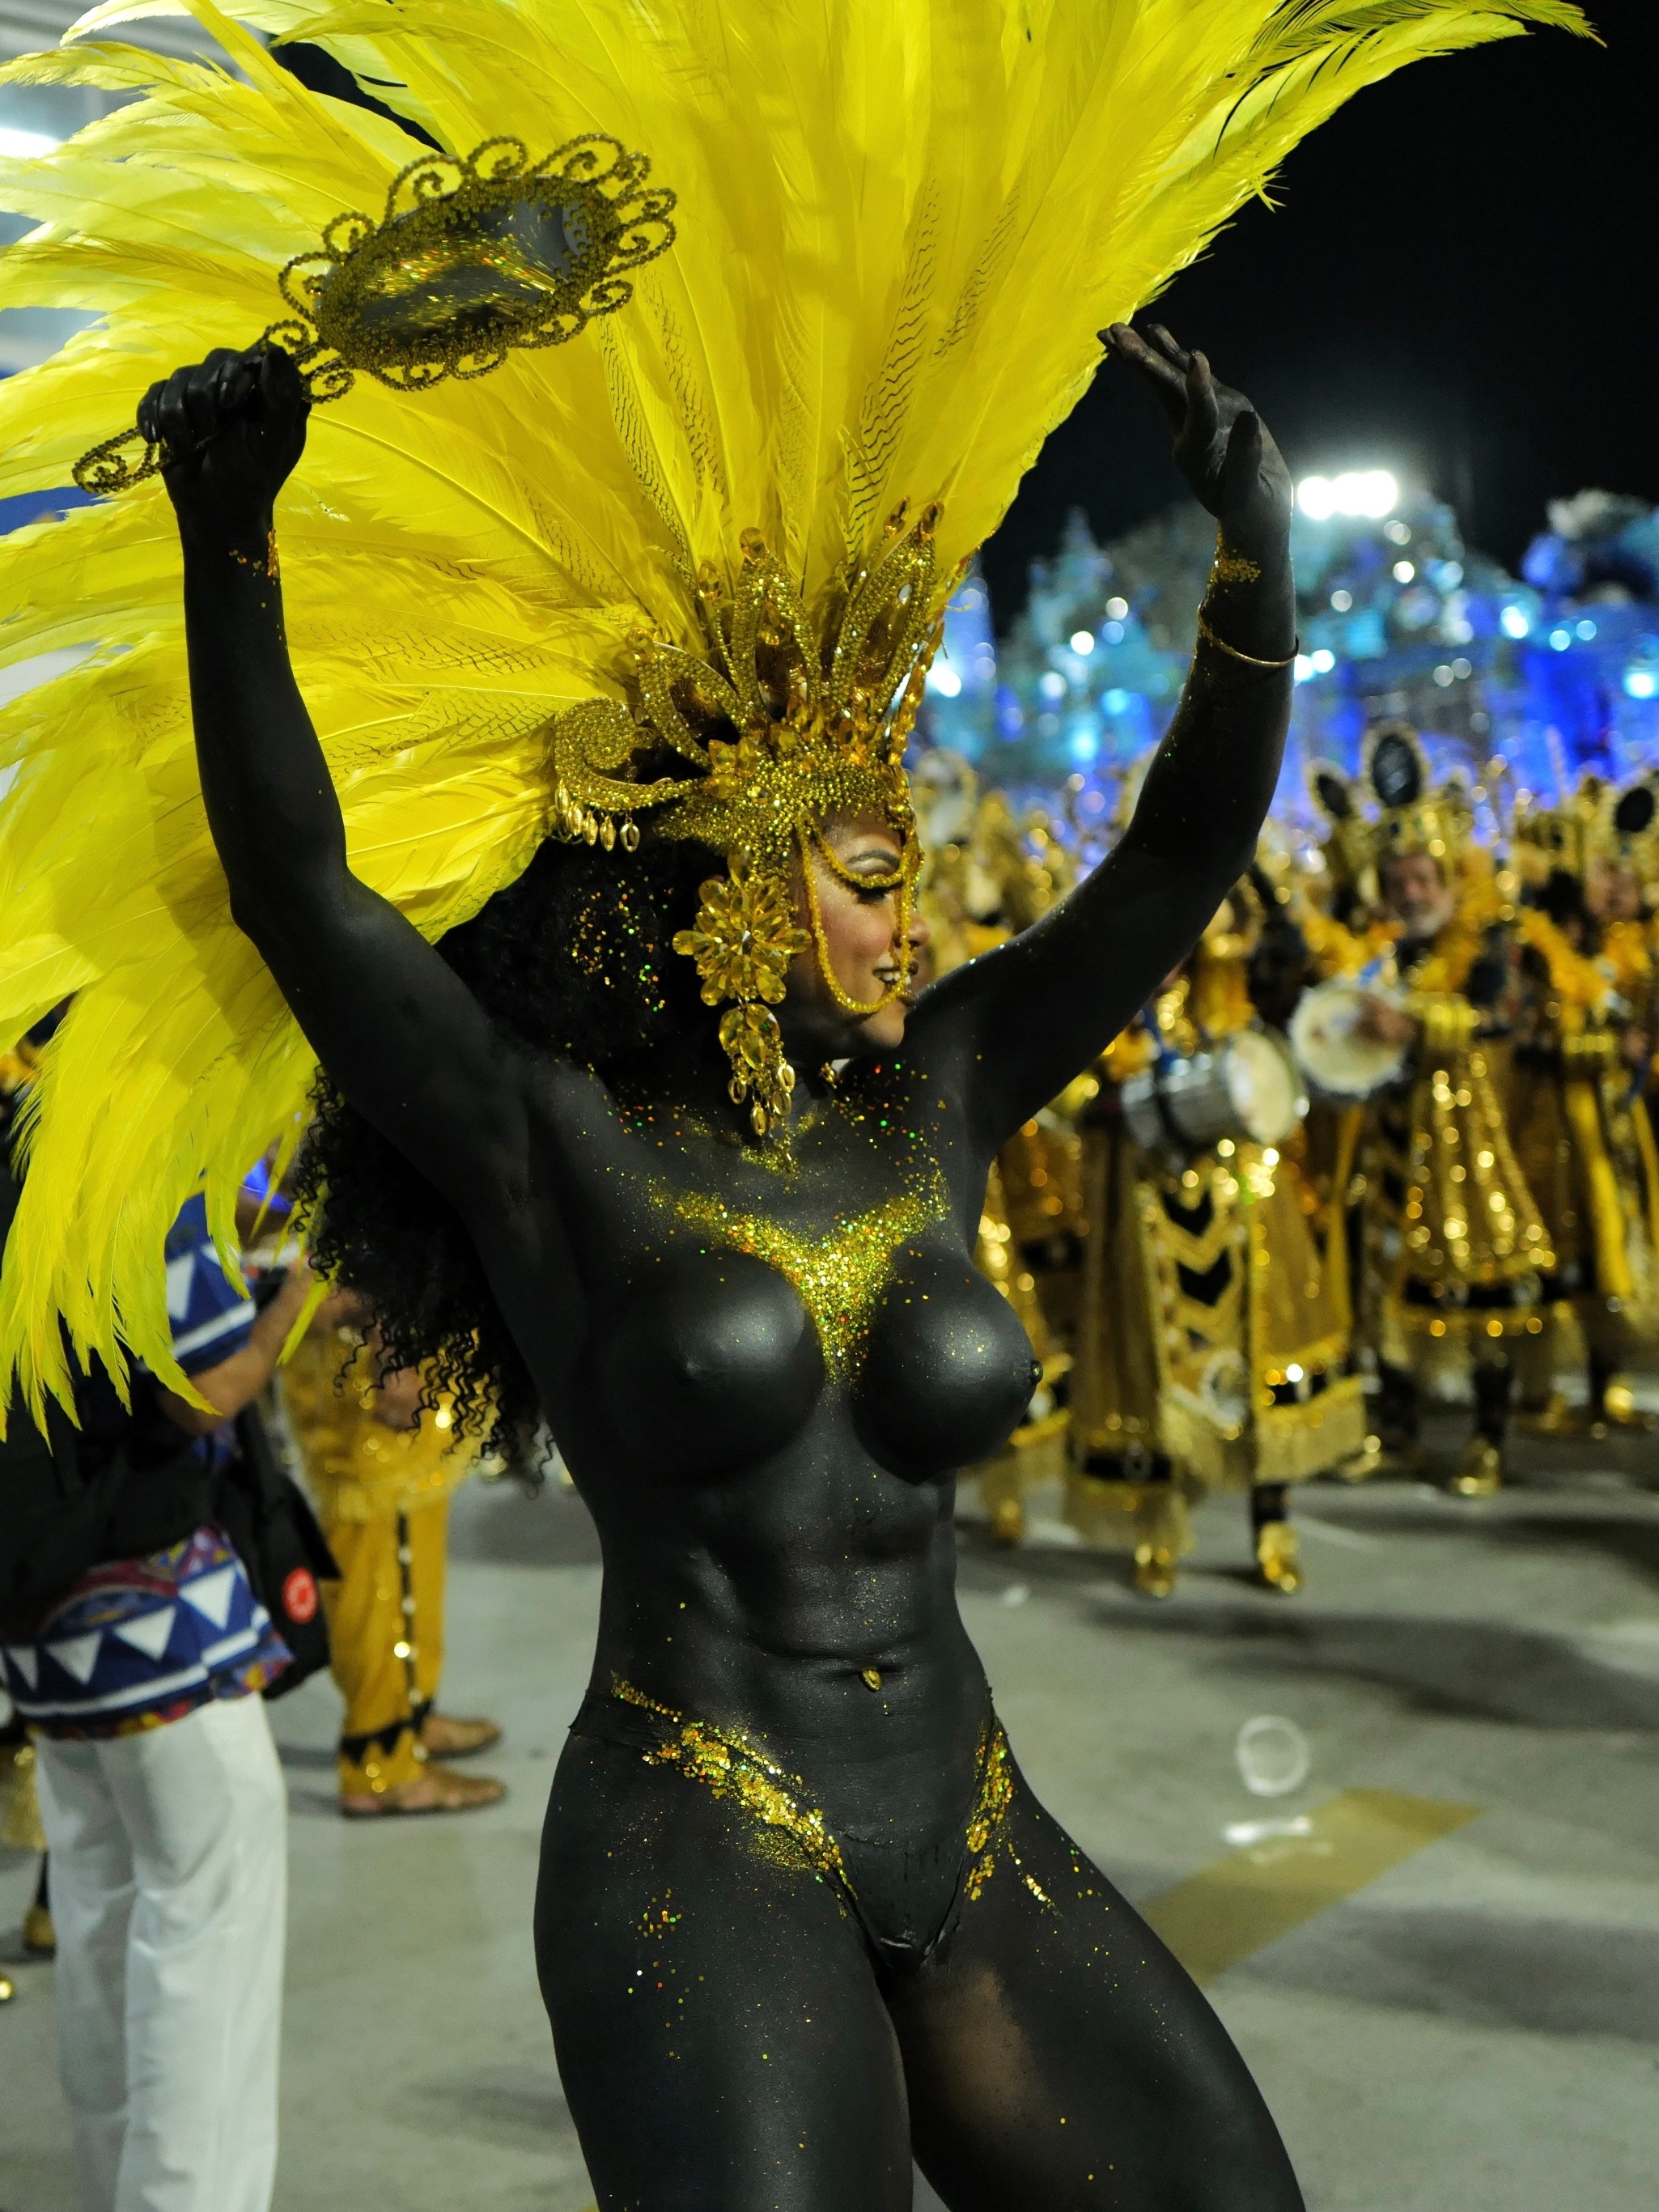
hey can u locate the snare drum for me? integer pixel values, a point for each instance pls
(1246, 1087)
(1337, 1058)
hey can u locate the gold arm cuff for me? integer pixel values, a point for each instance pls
(1232, 651)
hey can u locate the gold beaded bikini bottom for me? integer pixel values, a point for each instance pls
(907, 1899)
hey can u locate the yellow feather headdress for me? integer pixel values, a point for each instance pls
(899, 228)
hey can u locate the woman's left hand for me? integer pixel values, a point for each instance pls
(1222, 447)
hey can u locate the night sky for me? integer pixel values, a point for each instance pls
(1458, 283)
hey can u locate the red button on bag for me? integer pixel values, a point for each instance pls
(299, 1594)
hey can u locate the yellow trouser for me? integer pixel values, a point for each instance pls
(386, 1625)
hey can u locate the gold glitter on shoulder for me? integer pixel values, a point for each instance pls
(840, 1274)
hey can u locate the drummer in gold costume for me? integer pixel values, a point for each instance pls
(1214, 1337)
(1455, 1252)
(381, 1469)
(1582, 1046)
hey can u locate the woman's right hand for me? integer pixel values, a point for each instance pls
(232, 429)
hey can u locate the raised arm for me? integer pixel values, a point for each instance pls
(1012, 1028)
(395, 1028)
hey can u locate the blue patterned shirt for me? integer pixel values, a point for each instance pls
(138, 1642)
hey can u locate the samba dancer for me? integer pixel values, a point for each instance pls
(1453, 1251)
(986, 877)
(1212, 1346)
(711, 1371)
(1583, 1044)
(382, 1465)
(623, 631)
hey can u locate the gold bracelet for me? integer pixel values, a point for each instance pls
(1233, 652)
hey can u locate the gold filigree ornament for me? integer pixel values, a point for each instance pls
(474, 258)
(786, 723)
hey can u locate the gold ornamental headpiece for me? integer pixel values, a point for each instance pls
(783, 725)
(475, 258)
(1348, 849)
(1412, 818)
(1593, 823)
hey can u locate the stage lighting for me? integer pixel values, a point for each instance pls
(1372, 493)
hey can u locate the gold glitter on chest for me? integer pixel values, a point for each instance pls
(839, 1274)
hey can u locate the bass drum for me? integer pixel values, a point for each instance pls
(1246, 1087)
(1338, 1061)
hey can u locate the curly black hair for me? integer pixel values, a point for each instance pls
(575, 959)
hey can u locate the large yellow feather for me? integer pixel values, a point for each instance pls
(901, 223)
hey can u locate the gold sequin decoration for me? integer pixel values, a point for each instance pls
(791, 1833)
(985, 1822)
(840, 1274)
(794, 1834)
(475, 257)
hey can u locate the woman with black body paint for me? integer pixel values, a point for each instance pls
(798, 1913)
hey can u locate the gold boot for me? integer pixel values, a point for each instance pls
(1277, 1547)
(1555, 1418)
(1619, 1405)
(1163, 1534)
(1008, 1522)
(1155, 1570)
(1480, 1469)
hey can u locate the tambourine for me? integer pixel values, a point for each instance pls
(474, 258)
(1339, 1060)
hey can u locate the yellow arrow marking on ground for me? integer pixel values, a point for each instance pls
(1236, 1908)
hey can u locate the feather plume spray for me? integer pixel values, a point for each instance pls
(899, 230)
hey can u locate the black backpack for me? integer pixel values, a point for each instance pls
(266, 1516)
(71, 1499)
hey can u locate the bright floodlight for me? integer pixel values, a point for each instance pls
(1372, 493)
(1083, 641)
(1641, 682)
(944, 681)
(1515, 621)
(24, 145)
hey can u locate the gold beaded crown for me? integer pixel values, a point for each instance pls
(1593, 823)
(785, 729)
(1413, 818)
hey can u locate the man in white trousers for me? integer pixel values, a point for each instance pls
(162, 1802)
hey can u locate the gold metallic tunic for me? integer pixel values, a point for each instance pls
(1213, 1332)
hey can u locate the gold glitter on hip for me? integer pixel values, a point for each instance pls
(789, 1833)
(840, 1274)
(990, 1812)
